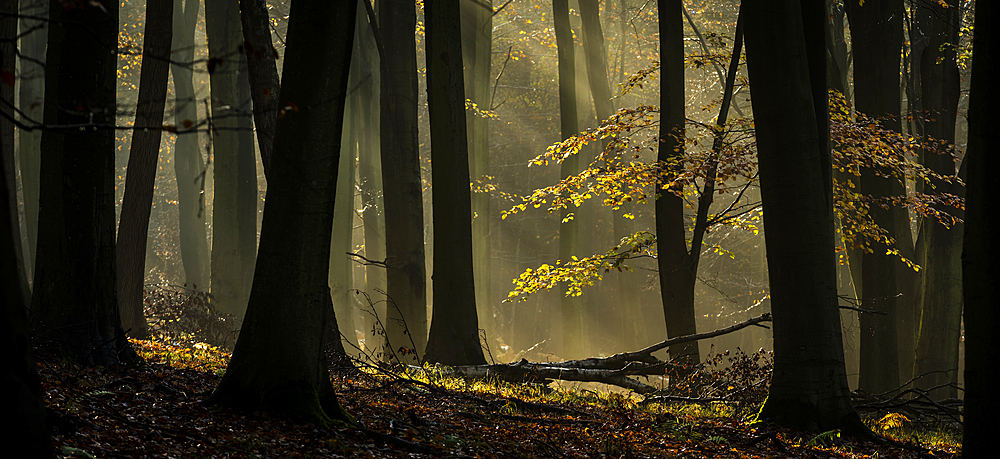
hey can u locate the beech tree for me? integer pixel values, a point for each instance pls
(454, 335)
(290, 299)
(787, 65)
(75, 289)
(979, 254)
(406, 282)
(134, 221)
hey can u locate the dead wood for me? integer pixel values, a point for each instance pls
(614, 370)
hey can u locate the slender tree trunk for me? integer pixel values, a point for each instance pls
(247, 194)
(26, 434)
(263, 73)
(573, 325)
(31, 91)
(290, 302)
(138, 199)
(189, 167)
(477, 46)
(454, 333)
(940, 324)
(404, 208)
(224, 35)
(75, 292)
(787, 60)
(676, 265)
(878, 24)
(981, 245)
(8, 31)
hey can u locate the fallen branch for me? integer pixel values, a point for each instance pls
(614, 370)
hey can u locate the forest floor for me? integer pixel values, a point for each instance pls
(159, 410)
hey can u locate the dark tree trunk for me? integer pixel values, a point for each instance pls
(75, 292)
(941, 311)
(141, 172)
(189, 167)
(404, 206)
(290, 301)
(26, 434)
(454, 333)
(571, 308)
(247, 194)
(222, 25)
(879, 26)
(786, 56)
(678, 266)
(982, 247)
(8, 31)
(31, 91)
(262, 72)
(477, 46)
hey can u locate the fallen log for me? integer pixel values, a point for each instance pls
(614, 370)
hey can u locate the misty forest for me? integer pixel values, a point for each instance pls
(497, 228)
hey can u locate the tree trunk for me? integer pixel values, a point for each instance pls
(290, 301)
(247, 194)
(75, 292)
(404, 205)
(454, 335)
(676, 265)
(31, 91)
(979, 254)
(224, 35)
(138, 199)
(941, 311)
(878, 24)
(189, 167)
(262, 72)
(8, 31)
(477, 45)
(786, 59)
(27, 434)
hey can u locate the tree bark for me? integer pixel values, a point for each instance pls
(878, 24)
(677, 265)
(8, 31)
(138, 198)
(290, 301)
(224, 34)
(26, 434)
(189, 167)
(979, 254)
(786, 59)
(572, 310)
(75, 292)
(454, 335)
(404, 208)
(31, 92)
(941, 312)
(477, 46)
(262, 72)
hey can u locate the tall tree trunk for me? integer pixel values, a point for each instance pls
(34, 28)
(404, 207)
(8, 31)
(224, 35)
(75, 292)
(26, 434)
(941, 312)
(787, 66)
(262, 72)
(138, 199)
(981, 245)
(189, 167)
(454, 335)
(676, 264)
(477, 47)
(878, 25)
(290, 302)
(573, 325)
(247, 194)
